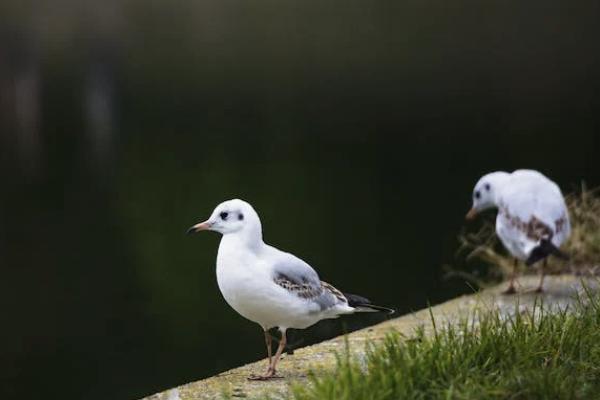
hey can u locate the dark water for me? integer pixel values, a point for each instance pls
(356, 129)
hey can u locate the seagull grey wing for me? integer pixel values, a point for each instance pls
(295, 269)
(299, 287)
(298, 278)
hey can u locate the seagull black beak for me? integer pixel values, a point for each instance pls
(471, 214)
(203, 226)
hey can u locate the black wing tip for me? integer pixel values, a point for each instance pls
(543, 250)
(357, 301)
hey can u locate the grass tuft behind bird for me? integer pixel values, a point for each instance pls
(531, 355)
(583, 246)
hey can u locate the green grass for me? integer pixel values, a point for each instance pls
(535, 355)
(484, 249)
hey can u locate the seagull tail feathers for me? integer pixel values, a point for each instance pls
(543, 250)
(362, 304)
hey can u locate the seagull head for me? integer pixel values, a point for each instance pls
(486, 191)
(229, 217)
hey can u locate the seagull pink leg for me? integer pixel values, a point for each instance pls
(268, 343)
(272, 369)
(511, 285)
(270, 374)
(540, 287)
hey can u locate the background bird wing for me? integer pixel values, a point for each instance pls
(536, 198)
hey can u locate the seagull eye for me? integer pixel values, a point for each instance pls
(224, 215)
(241, 216)
(477, 194)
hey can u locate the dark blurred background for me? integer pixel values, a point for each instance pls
(357, 129)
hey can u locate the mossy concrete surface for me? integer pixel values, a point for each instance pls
(560, 291)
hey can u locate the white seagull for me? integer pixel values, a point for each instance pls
(532, 221)
(269, 286)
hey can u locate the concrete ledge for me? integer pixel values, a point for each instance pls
(560, 291)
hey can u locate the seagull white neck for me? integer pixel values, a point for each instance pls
(250, 239)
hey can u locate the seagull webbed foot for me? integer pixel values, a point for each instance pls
(267, 376)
